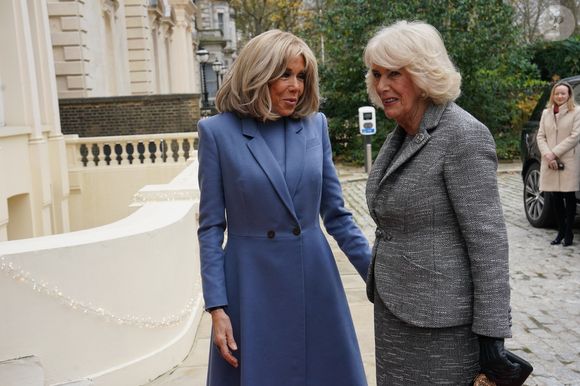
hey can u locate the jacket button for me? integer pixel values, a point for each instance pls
(296, 231)
(271, 234)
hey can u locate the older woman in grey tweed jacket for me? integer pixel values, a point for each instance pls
(439, 276)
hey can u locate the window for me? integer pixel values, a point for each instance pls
(220, 17)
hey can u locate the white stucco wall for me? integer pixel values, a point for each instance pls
(102, 195)
(31, 143)
(118, 304)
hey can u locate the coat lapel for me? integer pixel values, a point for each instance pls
(295, 150)
(262, 154)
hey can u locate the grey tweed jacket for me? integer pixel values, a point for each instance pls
(440, 258)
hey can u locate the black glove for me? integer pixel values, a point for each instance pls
(494, 363)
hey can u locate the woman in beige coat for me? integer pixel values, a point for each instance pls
(558, 138)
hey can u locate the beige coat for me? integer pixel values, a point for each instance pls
(560, 134)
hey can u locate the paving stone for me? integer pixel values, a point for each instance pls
(545, 283)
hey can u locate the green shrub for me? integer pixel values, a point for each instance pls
(558, 59)
(507, 146)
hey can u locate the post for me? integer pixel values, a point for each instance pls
(203, 57)
(368, 153)
(216, 67)
(368, 127)
(204, 85)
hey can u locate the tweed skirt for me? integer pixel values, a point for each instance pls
(411, 355)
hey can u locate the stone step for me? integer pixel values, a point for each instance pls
(24, 371)
(79, 382)
(28, 371)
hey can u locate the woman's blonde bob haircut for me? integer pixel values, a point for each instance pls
(263, 60)
(570, 103)
(418, 48)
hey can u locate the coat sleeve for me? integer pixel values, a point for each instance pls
(541, 136)
(470, 172)
(572, 140)
(212, 221)
(338, 221)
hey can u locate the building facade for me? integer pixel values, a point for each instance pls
(142, 53)
(94, 68)
(110, 48)
(218, 36)
(34, 190)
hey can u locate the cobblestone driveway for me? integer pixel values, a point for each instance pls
(545, 283)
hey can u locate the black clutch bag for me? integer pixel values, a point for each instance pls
(525, 371)
(525, 367)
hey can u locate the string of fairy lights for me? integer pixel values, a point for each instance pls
(20, 275)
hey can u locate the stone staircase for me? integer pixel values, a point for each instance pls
(28, 371)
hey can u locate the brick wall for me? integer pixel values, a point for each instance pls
(129, 115)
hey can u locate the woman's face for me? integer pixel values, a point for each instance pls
(401, 98)
(561, 95)
(287, 90)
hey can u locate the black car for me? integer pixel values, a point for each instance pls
(537, 204)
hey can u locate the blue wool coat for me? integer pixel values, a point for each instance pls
(276, 274)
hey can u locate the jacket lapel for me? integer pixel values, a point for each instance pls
(388, 165)
(420, 139)
(295, 150)
(384, 159)
(262, 154)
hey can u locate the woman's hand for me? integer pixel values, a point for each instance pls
(223, 336)
(550, 156)
(552, 160)
(494, 362)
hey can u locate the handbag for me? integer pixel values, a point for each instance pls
(525, 371)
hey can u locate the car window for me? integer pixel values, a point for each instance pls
(577, 94)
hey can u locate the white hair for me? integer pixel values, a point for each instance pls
(418, 48)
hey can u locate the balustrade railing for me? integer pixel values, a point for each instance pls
(131, 149)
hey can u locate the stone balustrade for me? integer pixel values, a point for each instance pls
(144, 149)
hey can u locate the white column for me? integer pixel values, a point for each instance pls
(191, 62)
(139, 47)
(180, 67)
(182, 62)
(18, 67)
(25, 75)
(56, 151)
(164, 58)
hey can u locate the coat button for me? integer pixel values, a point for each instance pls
(271, 234)
(296, 231)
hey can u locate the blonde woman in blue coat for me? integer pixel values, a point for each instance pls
(279, 311)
